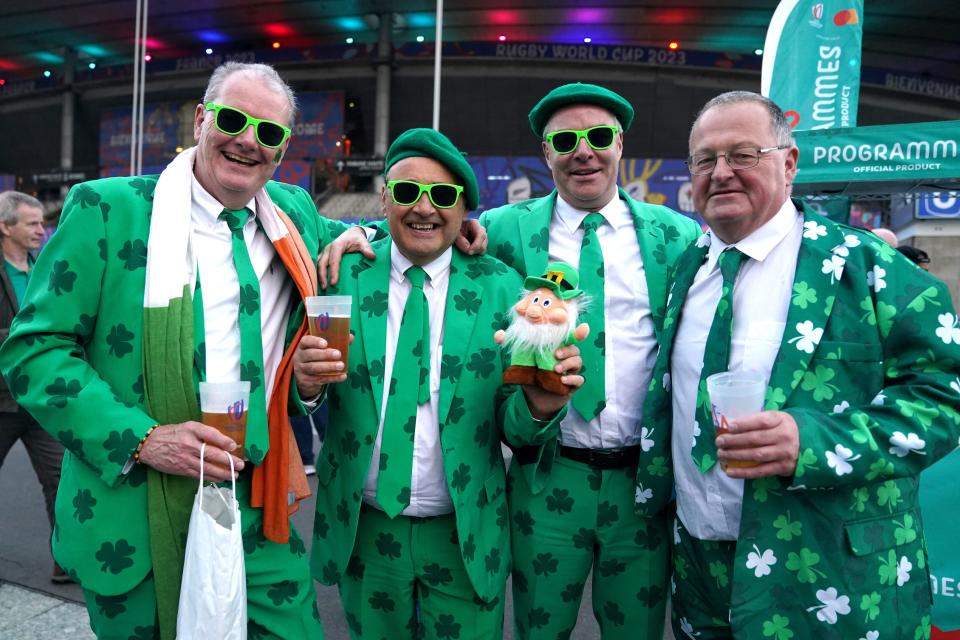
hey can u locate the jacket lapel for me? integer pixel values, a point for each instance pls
(458, 328)
(373, 295)
(820, 264)
(534, 227)
(650, 238)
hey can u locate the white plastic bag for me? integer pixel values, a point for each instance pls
(213, 592)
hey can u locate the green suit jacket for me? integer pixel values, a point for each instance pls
(475, 412)
(74, 359)
(519, 235)
(869, 367)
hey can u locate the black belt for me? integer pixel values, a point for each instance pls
(617, 458)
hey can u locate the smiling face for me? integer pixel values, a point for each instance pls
(421, 231)
(233, 168)
(586, 178)
(736, 203)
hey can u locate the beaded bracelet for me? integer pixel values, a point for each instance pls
(143, 440)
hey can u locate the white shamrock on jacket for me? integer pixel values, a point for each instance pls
(761, 562)
(813, 230)
(948, 330)
(875, 278)
(902, 445)
(832, 604)
(903, 571)
(838, 459)
(834, 266)
(809, 336)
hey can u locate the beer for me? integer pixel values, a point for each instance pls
(232, 424)
(336, 331)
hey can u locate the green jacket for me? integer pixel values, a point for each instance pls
(74, 359)
(869, 367)
(475, 412)
(519, 234)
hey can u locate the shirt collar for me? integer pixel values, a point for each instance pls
(616, 213)
(436, 269)
(762, 241)
(206, 208)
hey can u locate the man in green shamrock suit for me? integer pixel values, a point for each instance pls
(412, 519)
(813, 529)
(572, 500)
(150, 284)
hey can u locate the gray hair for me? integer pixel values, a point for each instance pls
(263, 71)
(10, 201)
(778, 122)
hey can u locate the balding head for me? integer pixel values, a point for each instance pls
(886, 235)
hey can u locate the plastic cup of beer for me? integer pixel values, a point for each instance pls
(329, 318)
(224, 407)
(735, 394)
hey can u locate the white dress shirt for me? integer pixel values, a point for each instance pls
(709, 504)
(631, 347)
(213, 246)
(429, 495)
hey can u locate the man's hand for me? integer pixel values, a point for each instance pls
(472, 239)
(314, 365)
(175, 449)
(352, 240)
(545, 405)
(769, 438)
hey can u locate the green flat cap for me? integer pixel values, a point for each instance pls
(579, 93)
(428, 143)
(560, 277)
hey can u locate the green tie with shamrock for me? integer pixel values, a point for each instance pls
(251, 342)
(407, 392)
(716, 358)
(591, 398)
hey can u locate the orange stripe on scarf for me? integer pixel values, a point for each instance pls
(281, 472)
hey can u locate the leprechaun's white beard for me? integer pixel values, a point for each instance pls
(523, 335)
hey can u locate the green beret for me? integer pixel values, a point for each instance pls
(579, 93)
(428, 143)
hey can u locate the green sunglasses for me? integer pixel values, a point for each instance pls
(233, 122)
(407, 192)
(567, 140)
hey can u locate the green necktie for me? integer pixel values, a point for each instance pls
(407, 392)
(251, 337)
(591, 398)
(716, 358)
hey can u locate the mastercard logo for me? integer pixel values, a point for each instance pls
(847, 16)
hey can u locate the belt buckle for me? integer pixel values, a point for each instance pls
(602, 458)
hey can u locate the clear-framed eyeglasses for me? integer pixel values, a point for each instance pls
(738, 159)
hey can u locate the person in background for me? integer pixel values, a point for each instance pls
(887, 236)
(21, 232)
(917, 256)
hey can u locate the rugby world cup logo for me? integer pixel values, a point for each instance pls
(817, 13)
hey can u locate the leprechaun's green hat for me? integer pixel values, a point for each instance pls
(560, 277)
